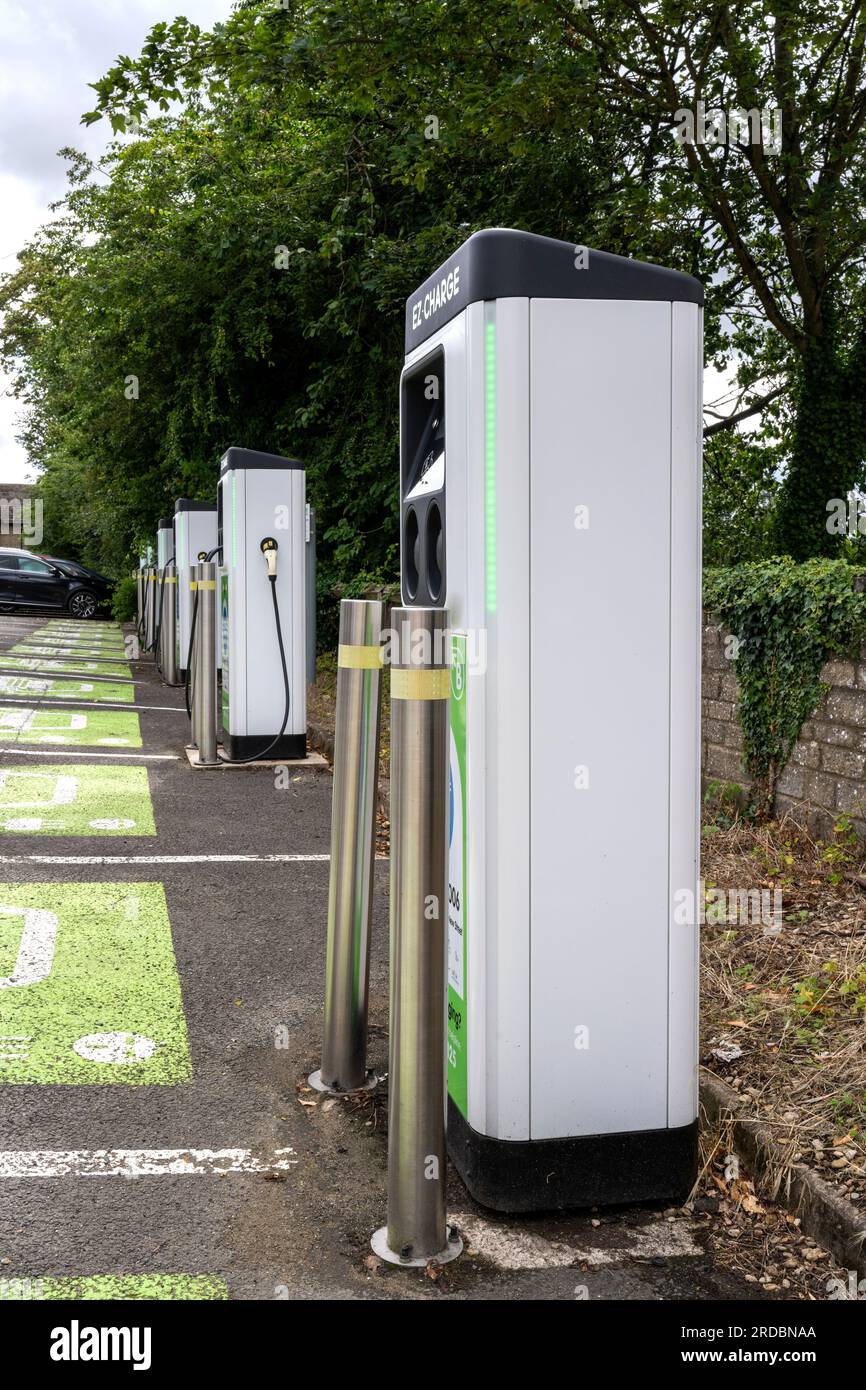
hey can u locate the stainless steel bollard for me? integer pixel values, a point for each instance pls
(168, 629)
(140, 586)
(204, 666)
(149, 602)
(417, 1231)
(353, 825)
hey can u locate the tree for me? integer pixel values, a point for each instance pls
(240, 277)
(772, 216)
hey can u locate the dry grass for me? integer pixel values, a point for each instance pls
(784, 1011)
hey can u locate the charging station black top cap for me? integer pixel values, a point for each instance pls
(165, 523)
(251, 458)
(502, 264)
(185, 504)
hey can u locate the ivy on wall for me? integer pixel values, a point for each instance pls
(787, 619)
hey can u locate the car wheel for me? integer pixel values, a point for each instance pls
(82, 604)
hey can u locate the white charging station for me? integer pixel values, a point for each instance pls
(550, 499)
(164, 541)
(261, 500)
(195, 533)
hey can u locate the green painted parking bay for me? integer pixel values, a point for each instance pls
(63, 644)
(66, 689)
(46, 663)
(98, 728)
(66, 653)
(81, 634)
(30, 646)
(113, 634)
(73, 800)
(89, 989)
(114, 639)
(116, 1288)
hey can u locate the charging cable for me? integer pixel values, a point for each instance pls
(269, 550)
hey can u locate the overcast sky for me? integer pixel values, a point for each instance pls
(51, 49)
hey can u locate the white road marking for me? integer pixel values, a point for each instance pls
(46, 702)
(88, 753)
(168, 858)
(139, 1163)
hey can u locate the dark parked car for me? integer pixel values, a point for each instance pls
(41, 581)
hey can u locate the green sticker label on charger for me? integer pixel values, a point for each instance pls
(457, 971)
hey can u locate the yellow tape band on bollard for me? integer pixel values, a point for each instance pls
(421, 685)
(169, 579)
(358, 657)
(205, 583)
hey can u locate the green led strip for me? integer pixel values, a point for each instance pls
(490, 464)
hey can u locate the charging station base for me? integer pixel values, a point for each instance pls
(379, 1245)
(238, 746)
(516, 1175)
(310, 759)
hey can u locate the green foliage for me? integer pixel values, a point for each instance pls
(842, 854)
(124, 599)
(741, 485)
(828, 441)
(307, 125)
(787, 619)
(724, 804)
(775, 230)
(247, 263)
(834, 987)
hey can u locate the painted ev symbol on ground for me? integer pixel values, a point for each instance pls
(97, 727)
(91, 800)
(89, 991)
(117, 1048)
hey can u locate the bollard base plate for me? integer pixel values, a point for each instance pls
(370, 1083)
(380, 1247)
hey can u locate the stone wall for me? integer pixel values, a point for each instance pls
(826, 773)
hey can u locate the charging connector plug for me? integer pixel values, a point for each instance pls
(269, 550)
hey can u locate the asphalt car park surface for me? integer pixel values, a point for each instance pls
(160, 1025)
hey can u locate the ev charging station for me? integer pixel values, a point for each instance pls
(195, 532)
(550, 442)
(260, 520)
(164, 541)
